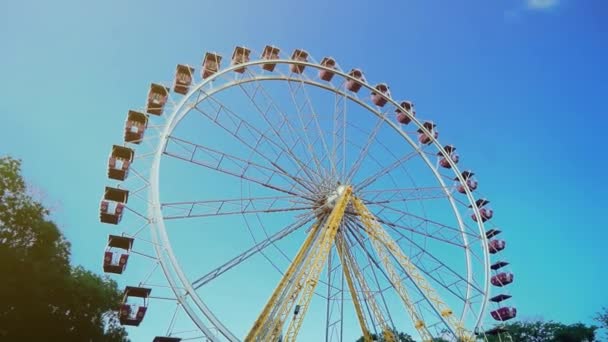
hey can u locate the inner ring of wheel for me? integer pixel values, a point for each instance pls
(166, 255)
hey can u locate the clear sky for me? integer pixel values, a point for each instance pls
(520, 86)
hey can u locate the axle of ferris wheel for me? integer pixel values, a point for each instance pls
(296, 288)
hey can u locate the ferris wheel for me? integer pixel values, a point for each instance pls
(284, 198)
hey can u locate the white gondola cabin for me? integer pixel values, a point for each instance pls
(270, 52)
(485, 211)
(119, 162)
(470, 182)
(112, 205)
(502, 279)
(449, 151)
(504, 313)
(377, 98)
(211, 64)
(327, 75)
(116, 255)
(301, 56)
(183, 79)
(405, 107)
(355, 84)
(240, 56)
(135, 127)
(134, 305)
(157, 99)
(495, 246)
(425, 138)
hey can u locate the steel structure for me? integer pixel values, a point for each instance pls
(397, 236)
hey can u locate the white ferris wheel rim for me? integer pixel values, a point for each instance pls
(162, 245)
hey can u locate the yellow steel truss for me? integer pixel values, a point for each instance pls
(283, 285)
(367, 337)
(313, 273)
(371, 229)
(301, 276)
(383, 241)
(349, 260)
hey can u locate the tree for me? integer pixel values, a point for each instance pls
(401, 337)
(578, 332)
(539, 331)
(42, 297)
(602, 319)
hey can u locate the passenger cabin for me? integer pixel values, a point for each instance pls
(355, 84)
(502, 279)
(135, 127)
(183, 79)
(499, 298)
(380, 94)
(119, 162)
(134, 305)
(166, 339)
(270, 52)
(327, 75)
(425, 138)
(498, 265)
(405, 107)
(211, 64)
(117, 254)
(470, 182)
(240, 56)
(301, 56)
(157, 99)
(112, 205)
(495, 246)
(485, 212)
(449, 152)
(504, 313)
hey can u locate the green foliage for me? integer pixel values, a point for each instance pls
(602, 319)
(401, 337)
(42, 297)
(536, 331)
(539, 331)
(578, 332)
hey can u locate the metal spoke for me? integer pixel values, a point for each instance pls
(387, 196)
(338, 143)
(403, 214)
(316, 121)
(259, 247)
(244, 125)
(371, 179)
(304, 129)
(229, 207)
(424, 251)
(264, 113)
(374, 262)
(370, 139)
(218, 160)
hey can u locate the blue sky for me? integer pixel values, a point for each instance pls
(519, 86)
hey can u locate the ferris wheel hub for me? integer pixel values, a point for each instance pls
(332, 198)
(327, 199)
